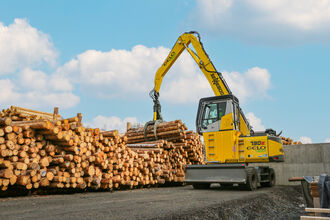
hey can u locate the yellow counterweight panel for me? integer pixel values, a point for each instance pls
(275, 148)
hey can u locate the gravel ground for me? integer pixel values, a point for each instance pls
(160, 203)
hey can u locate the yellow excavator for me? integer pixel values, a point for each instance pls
(229, 141)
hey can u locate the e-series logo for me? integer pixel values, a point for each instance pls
(258, 146)
(169, 58)
(257, 142)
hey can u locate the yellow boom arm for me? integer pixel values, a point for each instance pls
(218, 84)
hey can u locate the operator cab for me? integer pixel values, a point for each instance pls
(218, 113)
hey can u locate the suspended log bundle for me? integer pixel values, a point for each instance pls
(188, 143)
(171, 131)
(41, 150)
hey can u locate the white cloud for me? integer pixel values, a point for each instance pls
(130, 74)
(116, 73)
(327, 140)
(255, 122)
(253, 83)
(125, 74)
(278, 21)
(38, 80)
(59, 83)
(23, 46)
(305, 140)
(191, 85)
(33, 79)
(306, 15)
(112, 123)
(7, 93)
(11, 94)
(62, 100)
(186, 89)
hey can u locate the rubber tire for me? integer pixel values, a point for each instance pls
(201, 185)
(252, 180)
(272, 179)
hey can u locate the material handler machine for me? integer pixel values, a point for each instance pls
(230, 142)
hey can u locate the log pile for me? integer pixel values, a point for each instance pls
(289, 141)
(162, 160)
(187, 143)
(42, 150)
(22, 114)
(171, 131)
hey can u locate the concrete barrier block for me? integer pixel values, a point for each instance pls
(301, 160)
(303, 153)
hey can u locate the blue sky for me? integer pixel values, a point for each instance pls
(100, 59)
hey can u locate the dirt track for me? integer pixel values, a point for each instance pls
(159, 203)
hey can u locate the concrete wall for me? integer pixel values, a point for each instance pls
(302, 160)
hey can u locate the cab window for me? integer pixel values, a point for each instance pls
(213, 112)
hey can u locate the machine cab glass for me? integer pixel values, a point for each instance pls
(211, 111)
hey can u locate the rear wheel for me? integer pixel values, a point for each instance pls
(252, 181)
(272, 179)
(201, 185)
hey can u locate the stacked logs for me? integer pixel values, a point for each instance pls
(289, 141)
(193, 147)
(23, 160)
(187, 144)
(42, 150)
(171, 131)
(22, 114)
(164, 161)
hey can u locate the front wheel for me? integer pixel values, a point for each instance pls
(252, 181)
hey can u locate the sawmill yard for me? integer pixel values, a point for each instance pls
(160, 203)
(225, 134)
(66, 169)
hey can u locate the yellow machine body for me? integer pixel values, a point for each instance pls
(229, 146)
(251, 149)
(230, 142)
